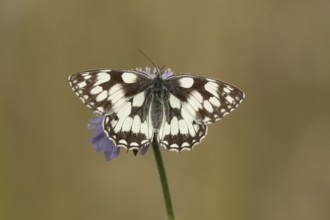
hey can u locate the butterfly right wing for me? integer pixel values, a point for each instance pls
(129, 124)
(100, 90)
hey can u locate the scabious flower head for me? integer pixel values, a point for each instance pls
(166, 73)
(101, 141)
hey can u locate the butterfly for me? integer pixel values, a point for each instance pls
(141, 106)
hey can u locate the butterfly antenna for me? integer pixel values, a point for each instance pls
(162, 67)
(149, 60)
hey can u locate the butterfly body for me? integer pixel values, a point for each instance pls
(139, 106)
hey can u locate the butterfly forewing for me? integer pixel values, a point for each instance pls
(207, 100)
(100, 90)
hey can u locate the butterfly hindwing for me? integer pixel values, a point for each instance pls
(179, 130)
(129, 125)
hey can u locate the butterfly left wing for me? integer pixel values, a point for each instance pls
(206, 99)
(191, 103)
(179, 131)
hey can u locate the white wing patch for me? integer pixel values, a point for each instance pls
(186, 82)
(96, 90)
(183, 127)
(207, 105)
(102, 96)
(194, 102)
(215, 101)
(102, 77)
(127, 125)
(138, 99)
(129, 77)
(212, 88)
(174, 101)
(174, 126)
(136, 124)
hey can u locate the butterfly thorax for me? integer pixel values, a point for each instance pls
(157, 108)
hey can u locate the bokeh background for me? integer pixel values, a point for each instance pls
(268, 160)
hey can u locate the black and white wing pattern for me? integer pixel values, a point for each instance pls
(130, 125)
(122, 96)
(138, 106)
(104, 90)
(193, 102)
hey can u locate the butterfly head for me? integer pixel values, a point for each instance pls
(157, 71)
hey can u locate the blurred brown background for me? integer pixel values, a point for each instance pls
(268, 160)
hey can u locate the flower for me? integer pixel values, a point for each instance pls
(101, 141)
(167, 73)
(147, 71)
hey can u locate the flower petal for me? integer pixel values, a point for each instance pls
(111, 152)
(167, 73)
(144, 149)
(101, 141)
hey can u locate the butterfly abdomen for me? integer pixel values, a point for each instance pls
(157, 108)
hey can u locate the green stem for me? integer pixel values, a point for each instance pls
(163, 180)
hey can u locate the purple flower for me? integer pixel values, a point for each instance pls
(147, 71)
(167, 73)
(101, 141)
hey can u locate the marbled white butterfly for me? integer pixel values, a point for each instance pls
(139, 106)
